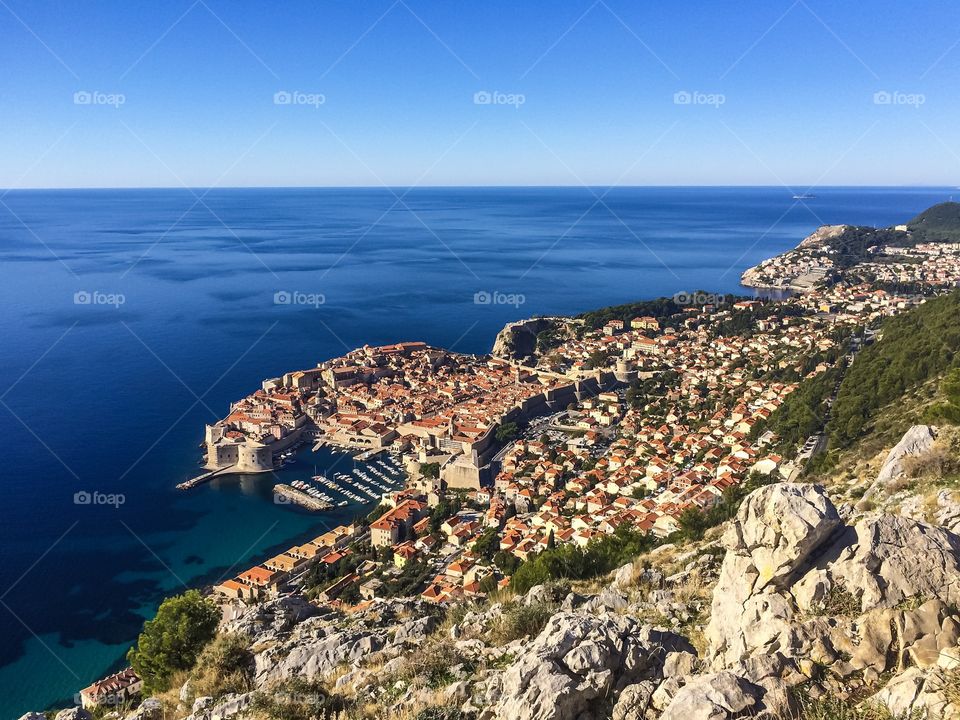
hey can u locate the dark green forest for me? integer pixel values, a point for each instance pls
(915, 347)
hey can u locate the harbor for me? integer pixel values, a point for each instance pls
(361, 485)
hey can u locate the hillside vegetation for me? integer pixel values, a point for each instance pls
(940, 223)
(914, 348)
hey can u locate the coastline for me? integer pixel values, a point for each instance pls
(242, 542)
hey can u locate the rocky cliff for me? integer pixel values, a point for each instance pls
(822, 235)
(518, 340)
(801, 608)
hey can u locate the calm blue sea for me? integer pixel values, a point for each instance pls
(108, 396)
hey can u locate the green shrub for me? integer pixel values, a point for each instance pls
(572, 562)
(173, 640)
(917, 346)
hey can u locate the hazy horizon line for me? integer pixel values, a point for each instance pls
(800, 188)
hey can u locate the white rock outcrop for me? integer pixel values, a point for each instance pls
(916, 441)
(897, 559)
(578, 661)
(798, 587)
(718, 696)
(775, 532)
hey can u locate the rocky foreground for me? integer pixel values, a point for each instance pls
(800, 606)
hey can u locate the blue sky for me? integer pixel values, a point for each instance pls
(570, 92)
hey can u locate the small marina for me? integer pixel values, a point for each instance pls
(337, 485)
(361, 485)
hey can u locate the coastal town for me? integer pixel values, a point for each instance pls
(618, 458)
(616, 422)
(894, 257)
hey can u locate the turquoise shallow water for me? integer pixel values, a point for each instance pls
(113, 398)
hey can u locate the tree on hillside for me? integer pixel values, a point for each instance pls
(949, 409)
(507, 431)
(173, 640)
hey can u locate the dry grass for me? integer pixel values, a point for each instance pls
(224, 666)
(951, 688)
(429, 665)
(830, 708)
(518, 621)
(429, 706)
(170, 699)
(938, 463)
(693, 588)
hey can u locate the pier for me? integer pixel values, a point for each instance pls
(369, 454)
(200, 479)
(283, 492)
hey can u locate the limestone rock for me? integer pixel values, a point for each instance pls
(202, 703)
(633, 701)
(74, 713)
(415, 630)
(268, 619)
(186, 692)
(548, 594)
(230, 707)
(895, 559)
(920, 693)
(577, 660)
(777, 528)
(714, 697)
(947, 514)
(666, 692)
(623, 578)
(457, 693)
(679, 664)
(149, 709)
(309, 656)
(775, 532)
(518, 340)
(917, 440)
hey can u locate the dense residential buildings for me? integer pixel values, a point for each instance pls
(406, 397)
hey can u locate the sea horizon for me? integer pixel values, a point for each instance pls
(573, 186)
